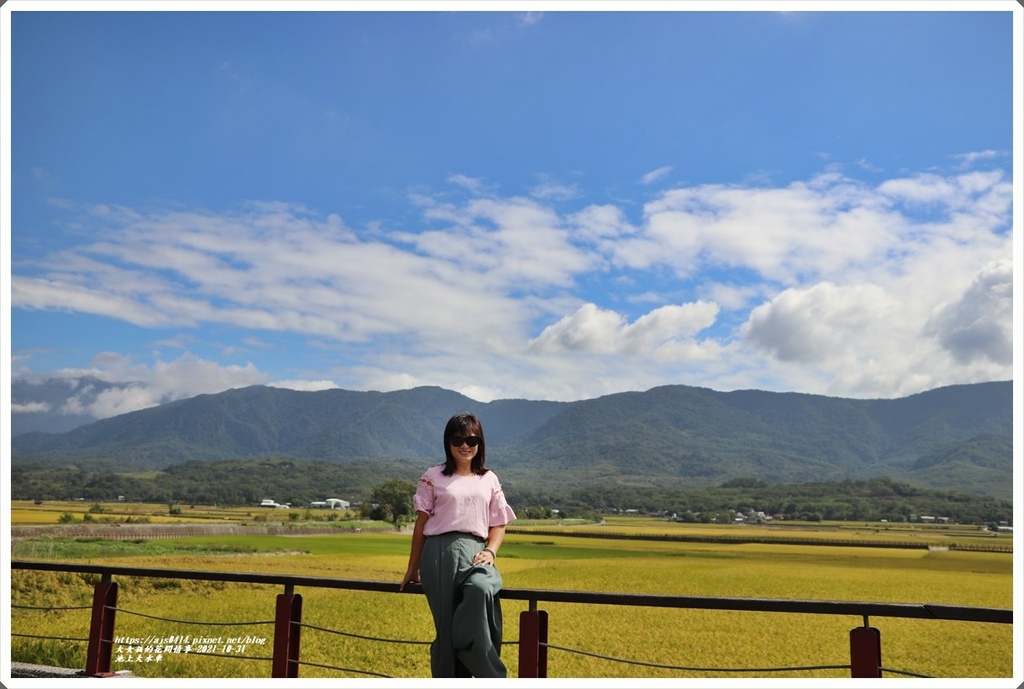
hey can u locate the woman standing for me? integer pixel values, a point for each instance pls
(461, 515)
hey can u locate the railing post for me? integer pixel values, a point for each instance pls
(101, 629)
(533, 639)
(865, 651)
(286, 634)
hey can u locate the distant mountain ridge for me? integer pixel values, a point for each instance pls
(957, 437)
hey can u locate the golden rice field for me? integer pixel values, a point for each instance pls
(711, 643)
(26, 512)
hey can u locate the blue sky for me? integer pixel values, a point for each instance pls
(546, 204)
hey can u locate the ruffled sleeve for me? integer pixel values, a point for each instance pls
(423, 498)
(500, 512)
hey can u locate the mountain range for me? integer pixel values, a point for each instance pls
(956, 438)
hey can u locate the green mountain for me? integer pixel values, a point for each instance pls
(958, 437)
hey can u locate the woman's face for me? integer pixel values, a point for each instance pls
(462, 453)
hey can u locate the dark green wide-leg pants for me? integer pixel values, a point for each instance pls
(464, 601)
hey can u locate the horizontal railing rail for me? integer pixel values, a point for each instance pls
(865, 642)
(533, 596)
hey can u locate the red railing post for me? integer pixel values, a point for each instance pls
(101, 629)
(533, 639)
(286, 634)
(865, 652)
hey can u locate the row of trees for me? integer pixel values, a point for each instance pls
(247, 482)
(229, 482)
(872, 500)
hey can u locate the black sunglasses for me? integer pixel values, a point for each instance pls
(457, 440)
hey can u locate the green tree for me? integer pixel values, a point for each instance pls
(536, 512)
(395, 496)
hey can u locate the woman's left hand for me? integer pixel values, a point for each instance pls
(484, 557)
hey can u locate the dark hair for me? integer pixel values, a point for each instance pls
(464, 424)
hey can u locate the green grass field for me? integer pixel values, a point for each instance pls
(715, 641)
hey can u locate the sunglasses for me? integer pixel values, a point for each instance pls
(457, 440)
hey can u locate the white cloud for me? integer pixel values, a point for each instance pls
(973, 207)
(596, 223)
(865, 164)
(554, 191)
(823, 322)
(658, 333)
(732, 297)
(42, 293)
(813, 230)
(30, 407)
(968, 159)
(655, 175)
(529, 18)
(892, 338)
(977, 325)
(152, 384)
(784, 234)
(305, 385)
(470, 183)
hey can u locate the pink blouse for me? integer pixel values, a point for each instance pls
(471, 504)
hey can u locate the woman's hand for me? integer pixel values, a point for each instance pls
(484, 557)
(412, 576)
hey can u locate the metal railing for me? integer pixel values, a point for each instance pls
(865, 640)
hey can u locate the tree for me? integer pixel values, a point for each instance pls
(536, 512)
(396, 497)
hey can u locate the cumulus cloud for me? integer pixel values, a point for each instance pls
(594, 330)
(977, 325)
(823, 322)
(892, 338)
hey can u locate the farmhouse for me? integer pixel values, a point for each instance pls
(331, 503)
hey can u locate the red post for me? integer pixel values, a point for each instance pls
(101, 629)
(533, 639)
(286, 635)
(865, 652)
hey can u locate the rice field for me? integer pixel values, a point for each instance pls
(708, 643)
(27, 512)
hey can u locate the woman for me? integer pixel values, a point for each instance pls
(461, 514)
